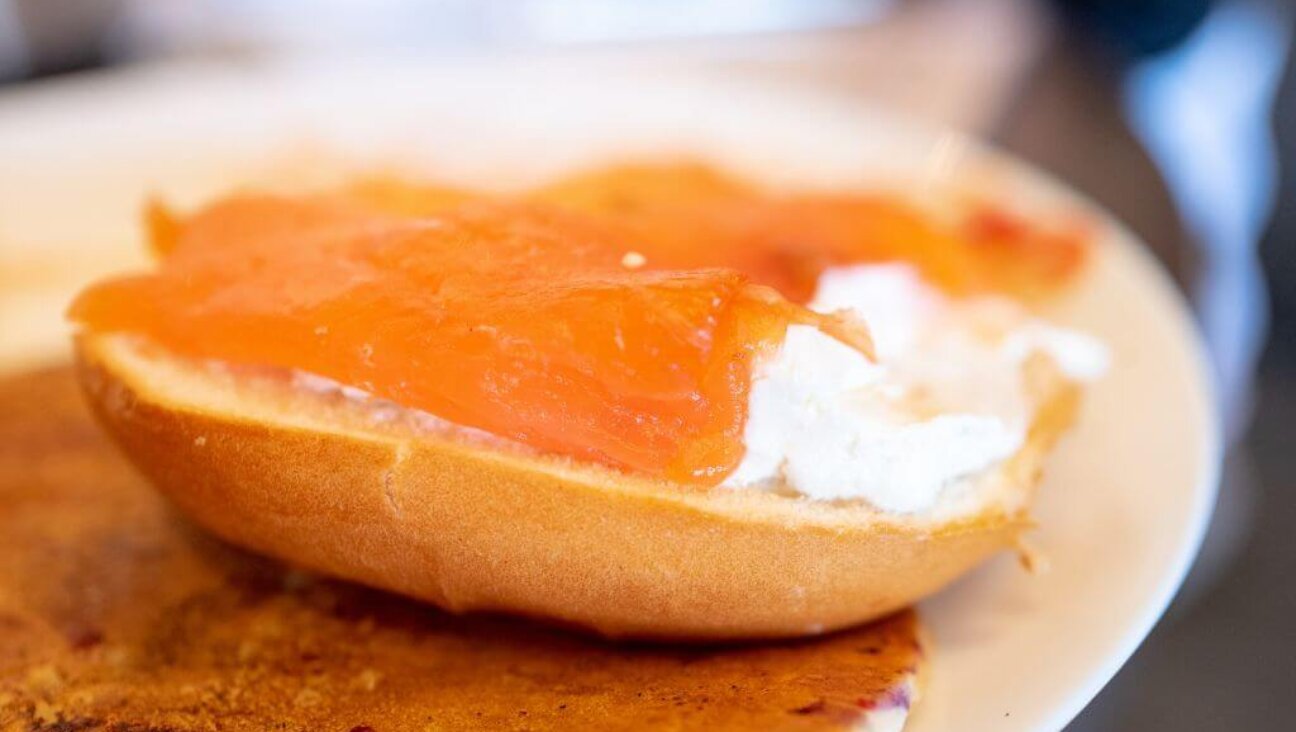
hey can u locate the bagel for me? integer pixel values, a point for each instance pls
(681, 409)
(369, 493)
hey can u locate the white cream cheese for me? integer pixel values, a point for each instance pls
(945, 402)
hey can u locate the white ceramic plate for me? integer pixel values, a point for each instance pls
(1126, 497)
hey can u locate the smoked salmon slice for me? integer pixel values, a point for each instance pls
(612, 317)
(518, 320)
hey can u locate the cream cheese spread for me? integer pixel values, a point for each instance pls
(945, 402)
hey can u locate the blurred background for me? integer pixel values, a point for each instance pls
(1179, 116)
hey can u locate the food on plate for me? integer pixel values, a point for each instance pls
(117, 615)
(650, 400)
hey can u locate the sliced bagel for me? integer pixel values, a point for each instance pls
(375, 495)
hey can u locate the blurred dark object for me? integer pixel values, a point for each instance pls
(1279, 246)
(1134, 28)
(53, 36)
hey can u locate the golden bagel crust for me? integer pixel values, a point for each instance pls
(318, 481)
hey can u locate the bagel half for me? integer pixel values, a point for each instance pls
(323, 481)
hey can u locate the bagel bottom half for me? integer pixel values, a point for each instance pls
(325, 482)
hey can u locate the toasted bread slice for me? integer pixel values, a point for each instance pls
(375, 496)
